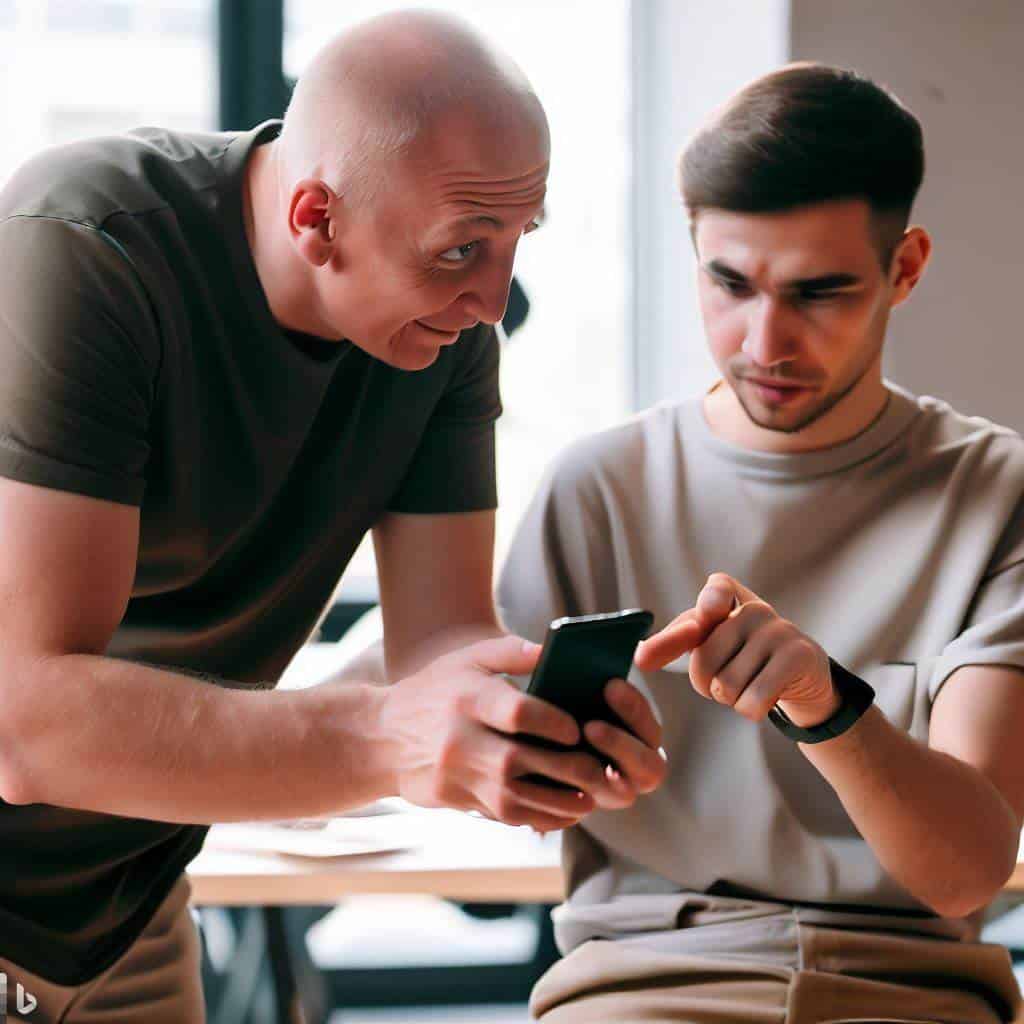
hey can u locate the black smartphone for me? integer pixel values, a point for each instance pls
(580, 654)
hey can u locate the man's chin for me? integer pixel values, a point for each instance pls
(404, 354)
(416, 360)
(401, 352)
(781, 419)
(416, 347)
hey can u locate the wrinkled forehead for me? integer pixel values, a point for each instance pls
(463, 168)
(828, 237)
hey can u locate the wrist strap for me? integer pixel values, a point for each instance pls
(857, 696)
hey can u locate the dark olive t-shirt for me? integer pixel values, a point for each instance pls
(140, 363)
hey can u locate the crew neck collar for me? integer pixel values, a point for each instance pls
(900, 410)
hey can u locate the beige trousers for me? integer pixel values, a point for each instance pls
(155, 981)
(842, 975)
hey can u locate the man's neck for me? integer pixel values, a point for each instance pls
(281, 273)
(851, 416)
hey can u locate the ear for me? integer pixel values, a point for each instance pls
(908, 263)
(312, 221)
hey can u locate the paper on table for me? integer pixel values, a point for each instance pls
(386, 805)
(337, 838)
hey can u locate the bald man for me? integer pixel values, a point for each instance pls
(223, 358)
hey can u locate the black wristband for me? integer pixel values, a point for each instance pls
(857, 696)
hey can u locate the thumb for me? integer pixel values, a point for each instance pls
(720, 596)
(715, 603)
(508, 655)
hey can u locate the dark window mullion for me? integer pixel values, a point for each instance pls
(250, 42)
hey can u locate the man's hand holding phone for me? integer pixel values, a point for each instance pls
(582, 669)
(458, 735)
(637, 763)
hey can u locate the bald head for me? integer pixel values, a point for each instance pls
(384, 87)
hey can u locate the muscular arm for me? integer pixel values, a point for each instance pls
(943, 819)
(81, 730)
(435, 574)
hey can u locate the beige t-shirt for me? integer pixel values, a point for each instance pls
(900, 551)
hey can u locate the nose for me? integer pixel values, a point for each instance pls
(769, 338)
(486, 294)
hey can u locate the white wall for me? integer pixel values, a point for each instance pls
(957, 65)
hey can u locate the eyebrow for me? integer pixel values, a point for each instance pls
(475, 218)
(824, 282)
(472, 219)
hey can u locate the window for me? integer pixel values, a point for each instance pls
(75, 68)
(567, 371)
(103, 16)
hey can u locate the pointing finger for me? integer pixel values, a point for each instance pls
(679, 637)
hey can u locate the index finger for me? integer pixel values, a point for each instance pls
(680, 636)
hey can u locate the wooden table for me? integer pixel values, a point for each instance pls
(452, 855)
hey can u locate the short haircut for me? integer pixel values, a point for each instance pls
(803, 134)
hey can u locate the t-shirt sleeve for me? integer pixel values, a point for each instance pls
(78, 360)
(560, 561)
(453, 469)
(993, 632)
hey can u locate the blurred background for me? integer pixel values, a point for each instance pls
(612, 324)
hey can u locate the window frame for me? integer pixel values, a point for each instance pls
(250, 62)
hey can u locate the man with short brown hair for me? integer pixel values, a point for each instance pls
(837, 570)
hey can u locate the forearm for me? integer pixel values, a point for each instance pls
(98, 734)
(936, 824)
(403, 660)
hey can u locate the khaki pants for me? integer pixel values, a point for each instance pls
(155, 981)
(842, 975)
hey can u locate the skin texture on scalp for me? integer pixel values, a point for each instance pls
(375, 90)
(412, 160)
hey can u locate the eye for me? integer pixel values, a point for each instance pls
(737, 289)
(459, 253)
(817, 296)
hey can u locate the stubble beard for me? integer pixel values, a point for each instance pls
(806, 419)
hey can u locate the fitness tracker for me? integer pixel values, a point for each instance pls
(856, 695)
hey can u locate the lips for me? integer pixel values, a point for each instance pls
(778, 385)
(439, 329)
(775, 394)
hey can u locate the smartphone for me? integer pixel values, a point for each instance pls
(579, 656)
